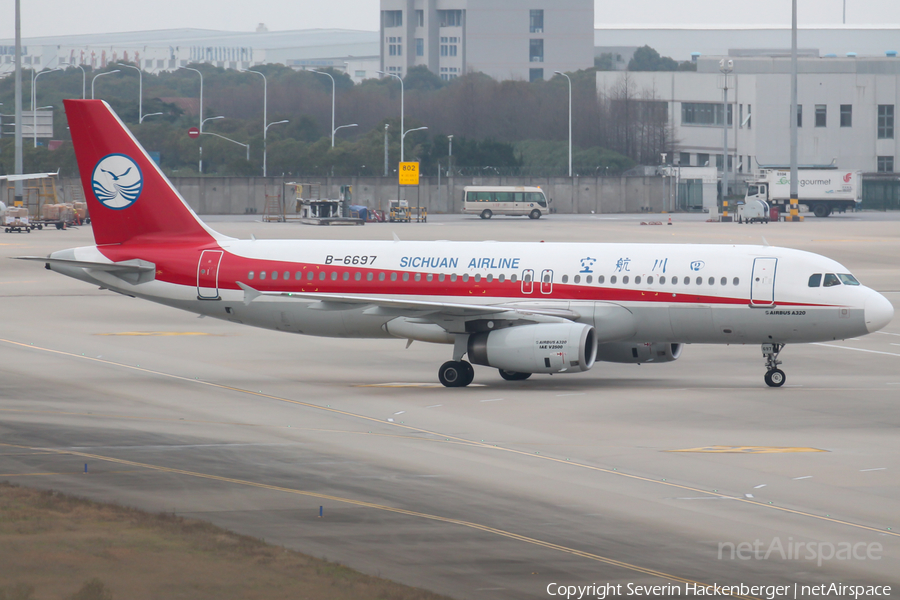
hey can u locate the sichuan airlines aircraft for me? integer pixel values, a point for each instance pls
(521, 308)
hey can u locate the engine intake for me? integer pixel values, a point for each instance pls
(541, 348)
(639, 353)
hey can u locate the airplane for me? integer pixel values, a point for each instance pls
(521, 308)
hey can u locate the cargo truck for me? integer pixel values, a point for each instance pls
(821, 191)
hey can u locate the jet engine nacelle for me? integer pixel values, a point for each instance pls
(639, 353)
(541, 348)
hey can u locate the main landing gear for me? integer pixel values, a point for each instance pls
(775, 377)
(456, 373)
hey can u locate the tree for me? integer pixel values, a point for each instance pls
(647, 59)
(422, 78)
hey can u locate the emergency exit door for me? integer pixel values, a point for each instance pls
(762, 282)
(208, 275)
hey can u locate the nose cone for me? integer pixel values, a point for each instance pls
(879, 312)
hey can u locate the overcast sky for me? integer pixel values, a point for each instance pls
(65, 17)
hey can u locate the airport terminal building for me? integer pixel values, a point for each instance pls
(846, 114)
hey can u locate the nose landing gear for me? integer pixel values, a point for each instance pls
(775, 377)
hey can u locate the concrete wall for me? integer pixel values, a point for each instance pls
(241, 195)
(247, 195)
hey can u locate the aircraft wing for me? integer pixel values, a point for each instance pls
(421, 308)
(128, 266)
(27, 176)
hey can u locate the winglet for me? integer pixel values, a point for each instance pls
(249, 293)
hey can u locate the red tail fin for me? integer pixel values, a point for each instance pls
(127, 194)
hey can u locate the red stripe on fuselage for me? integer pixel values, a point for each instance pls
(177, 264)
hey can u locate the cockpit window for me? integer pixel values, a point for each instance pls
(815, 280)
(831, 280)
(848, 279)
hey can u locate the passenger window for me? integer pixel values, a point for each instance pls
(815, 280)
(712, 281)
(675, 280)
(262, 274)
(578, 279)
(687, 281)
(370, 276)
(600, 279)
(406, 277)
(453, 277)
(250, 275)
(699, 281)
(441, 277)
(288, 275)
(589, 278)
(513, 278)
(298, 275)
(662, 279)
(358, 276)
(274, 275)
(322, 276)
(429, 277)
(723, 281)
(418, 277)
(465, 277)
(334, 275)
(527, 278)
(490, 277)
(625, 279)
(346, 276)
(477, 277)
(502, 277)
(565, 279)
(737, 281)
(612, 279)
(831, 280)
(649, 280)
(393, 277)
(848, 279)
(381, 277)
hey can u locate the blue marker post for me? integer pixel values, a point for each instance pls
(320, 511)
(85, 468)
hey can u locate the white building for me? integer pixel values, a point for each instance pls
(505, 39)
(847, 109)
(355, 52)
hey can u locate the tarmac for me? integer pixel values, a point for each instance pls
(649, 475)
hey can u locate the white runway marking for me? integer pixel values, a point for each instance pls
(762, 485)
(434, 406)
(399, 412)
(856, 349)
(575, 394)
(804, 477)
(493, 400)
(875, 469)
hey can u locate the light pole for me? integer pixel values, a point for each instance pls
(726, 66)
(403, 137)
(247, 146)
(200, 164)
(34, 100)
(83, 81)
(333, 93)
(140, 91)
(570, 118)
(386, 125)
(265, 114)
(200, 167)
(148, 115)
(264, 142)
(450, 155)
(34, 122)
(94, 79)
(400, 79)
(341, 127)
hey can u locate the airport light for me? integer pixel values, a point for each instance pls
(570, 118)
(265, 115)
(726, 66)
(34, 100)
(450, 155)
(403, 137)
(149, 115)
(83, 81)
(197, 71)
(94, 79)
(264, 141)
(247, 146)
(140, 91)
(400, 79)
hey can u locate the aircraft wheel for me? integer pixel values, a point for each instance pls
(535, 214)
(486, 214)
(775, 378)
(513, 375)
(469, 372)
(454, 374)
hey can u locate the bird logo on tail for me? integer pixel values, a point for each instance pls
(117, 181)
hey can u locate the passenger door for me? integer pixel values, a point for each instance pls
(527, 281)
(208, 275)
(762, 282)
